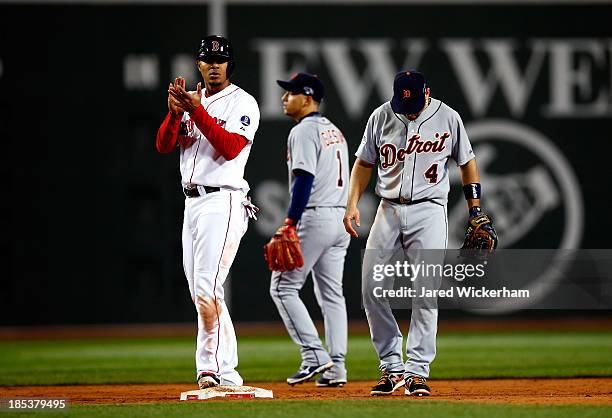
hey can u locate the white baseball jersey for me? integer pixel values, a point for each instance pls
(317, 146)
(412, 156)
(234, 110)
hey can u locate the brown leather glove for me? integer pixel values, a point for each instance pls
(283, 252)
(480, 234)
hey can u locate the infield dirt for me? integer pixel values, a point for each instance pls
(587, 391)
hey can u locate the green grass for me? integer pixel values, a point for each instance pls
(330, 409)
(463, 355)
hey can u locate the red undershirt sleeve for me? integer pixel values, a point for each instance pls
(167, 134)
(228, 144)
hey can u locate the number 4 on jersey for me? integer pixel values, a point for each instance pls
(432, 174)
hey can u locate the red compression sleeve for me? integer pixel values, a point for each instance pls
(229, 144)
(168, 133)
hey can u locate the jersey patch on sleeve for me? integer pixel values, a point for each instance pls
(245, 120)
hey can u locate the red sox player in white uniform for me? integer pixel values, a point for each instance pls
(214, 130)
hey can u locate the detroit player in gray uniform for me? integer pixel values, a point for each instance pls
(411, 139)
(317, 159)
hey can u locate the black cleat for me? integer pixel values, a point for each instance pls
(388, 383)
(330, 383)
(417, 386)
(307, 373)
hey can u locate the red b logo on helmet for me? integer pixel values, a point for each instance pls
(215, 45)
(406, 94)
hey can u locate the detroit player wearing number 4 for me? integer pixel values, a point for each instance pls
(411, 140)
(317, 159)
(214, 130)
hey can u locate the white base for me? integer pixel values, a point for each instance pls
(231, 392)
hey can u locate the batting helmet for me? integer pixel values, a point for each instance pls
(218, 47)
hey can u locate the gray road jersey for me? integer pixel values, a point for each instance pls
(412, 156)
(317, 146)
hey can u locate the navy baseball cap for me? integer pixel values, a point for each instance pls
(304, 83)
(408, 92)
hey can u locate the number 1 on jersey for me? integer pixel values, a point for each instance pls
(432, 173)
(339, 157)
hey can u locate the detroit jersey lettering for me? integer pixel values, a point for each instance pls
(412, 156)
(234, 110)
(317, 146)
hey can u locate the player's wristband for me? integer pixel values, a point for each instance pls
(475, 211)
(471, 191)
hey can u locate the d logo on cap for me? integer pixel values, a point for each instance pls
(409, 91)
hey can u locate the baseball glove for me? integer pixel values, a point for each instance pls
(480, 234)
(283, 252)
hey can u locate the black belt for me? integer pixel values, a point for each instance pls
(194, 192)
(404, 201)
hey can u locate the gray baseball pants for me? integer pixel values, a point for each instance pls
(324, 243)
(412, 228)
